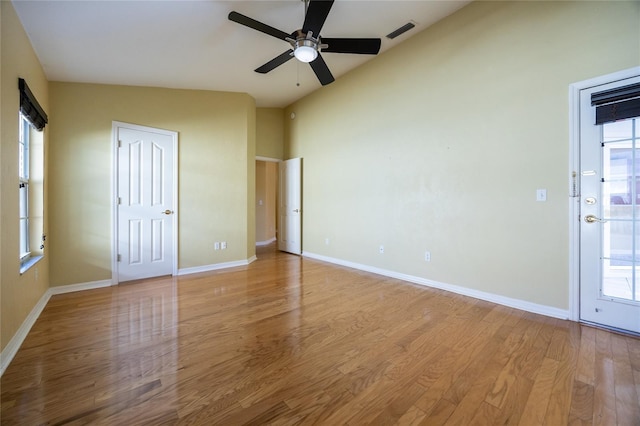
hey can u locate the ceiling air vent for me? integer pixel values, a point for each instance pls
(403, 29)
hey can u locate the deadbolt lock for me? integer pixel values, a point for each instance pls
(590, 200)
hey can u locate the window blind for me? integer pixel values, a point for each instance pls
(617, 104)
(30, 107)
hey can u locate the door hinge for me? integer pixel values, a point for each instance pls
(119, 258)
(119, 200)
(119, 143)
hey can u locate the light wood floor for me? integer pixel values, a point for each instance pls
(289, 340)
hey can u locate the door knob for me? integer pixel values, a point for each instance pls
(592, 219)
(167, 212)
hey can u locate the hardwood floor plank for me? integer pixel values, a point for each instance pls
(484, 415)
(461, 353)
(581, 403)
(585, 371)
(512, 370)
(538, 400)
(400, 405)
(634, 353)
(412, 417)
(322, 413)
(440, 413)
(565, 349)
(455, 383)
(468, 408)
(289, 340)
(636, 378)
(515, 402)
(604, 399)
(627, 406)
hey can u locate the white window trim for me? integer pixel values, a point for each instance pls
(23, 178)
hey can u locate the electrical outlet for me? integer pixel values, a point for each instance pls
(381, 249)
(223, 245)
(216, 246)
(427, 256)
(326, 241)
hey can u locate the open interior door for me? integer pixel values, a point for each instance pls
(290, 206)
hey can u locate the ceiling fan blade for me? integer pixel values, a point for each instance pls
(256, 25)
(275, 62)
(319, 66)
(363, 46)
(316, 15)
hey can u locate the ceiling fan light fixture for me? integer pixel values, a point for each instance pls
(306, 50)
(306, 43)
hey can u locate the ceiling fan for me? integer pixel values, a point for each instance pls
(306, 43)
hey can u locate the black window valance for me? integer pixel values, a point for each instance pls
(617, 104)
(30, 107)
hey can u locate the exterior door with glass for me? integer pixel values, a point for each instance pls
(609, 216)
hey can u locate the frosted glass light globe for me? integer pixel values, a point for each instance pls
(305, 53)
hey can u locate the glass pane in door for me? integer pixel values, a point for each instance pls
(621, 211)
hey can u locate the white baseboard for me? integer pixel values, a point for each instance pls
(266, 243)
(79, 287)
(215, 266)
(477, 294)
(14, 344)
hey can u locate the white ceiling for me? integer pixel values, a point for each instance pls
(192, 45)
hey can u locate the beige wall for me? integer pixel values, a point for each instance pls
(216, 173)
(270, 133)
(18, 293)
(266, 186)
(440, 144)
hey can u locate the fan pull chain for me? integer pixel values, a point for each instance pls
(297, 73)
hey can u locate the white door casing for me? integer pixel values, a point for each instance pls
(609, 277)
(290, 206)
(145, 200)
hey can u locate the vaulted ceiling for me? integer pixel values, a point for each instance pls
(192, 44)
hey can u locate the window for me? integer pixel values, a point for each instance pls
(32, 121)
(23, 174)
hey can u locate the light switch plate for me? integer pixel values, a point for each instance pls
(541, 195)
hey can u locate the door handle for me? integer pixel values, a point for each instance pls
(167, 212)
(593, 219)
(296, 210)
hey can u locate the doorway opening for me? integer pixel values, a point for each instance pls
(266, 201)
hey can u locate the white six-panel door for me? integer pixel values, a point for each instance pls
(145, 202)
